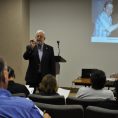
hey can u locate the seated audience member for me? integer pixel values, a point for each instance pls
(14, 87)
(116, 89)
(48, 85)
(15, 107)
(96, 91)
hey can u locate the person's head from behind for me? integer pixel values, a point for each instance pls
(11, 73)
(116, 86)
(98, 79)
(48, 84)
(108, 7)
(3, 74)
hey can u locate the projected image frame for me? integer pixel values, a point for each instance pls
(103, 25)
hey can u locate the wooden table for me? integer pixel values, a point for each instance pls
(87, 82)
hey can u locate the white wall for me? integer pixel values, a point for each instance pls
(14, 33)
(70, 22)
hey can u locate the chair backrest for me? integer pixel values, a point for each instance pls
(19, 94)
(83, 102)
(62, 111)
(109, 104)
(58, 100)
(98, 112)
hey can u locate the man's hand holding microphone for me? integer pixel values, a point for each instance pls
(33, 43)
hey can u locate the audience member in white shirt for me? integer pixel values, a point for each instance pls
(96, 91)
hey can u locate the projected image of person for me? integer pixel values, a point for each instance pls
(103, 24)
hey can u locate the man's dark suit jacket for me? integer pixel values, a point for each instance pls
(17, 88)
(47, 63)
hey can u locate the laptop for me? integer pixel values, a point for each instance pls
(86, 73)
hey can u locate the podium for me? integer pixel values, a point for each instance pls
(58, 60)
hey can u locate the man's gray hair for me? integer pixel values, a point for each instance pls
(40, 31)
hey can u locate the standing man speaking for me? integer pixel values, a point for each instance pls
(41, 60)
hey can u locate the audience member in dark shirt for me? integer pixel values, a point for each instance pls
(14, 87)
(48, 85)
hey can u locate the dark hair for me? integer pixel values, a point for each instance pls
(11, 72)
(48, 84)
(116, 86)
(98, 79)
(2, 66)
(107, 2)
(116, 89)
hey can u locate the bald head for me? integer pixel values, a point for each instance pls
(3, 74)
(2, 64)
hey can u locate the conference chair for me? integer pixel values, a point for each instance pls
(109, 104)
(57, 100)
(83, 102)
(19, 94)
(62, 111)
(98, 112)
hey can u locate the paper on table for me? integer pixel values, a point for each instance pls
(41, 112)
(113, 27)
(111, 79)
(27, 86)
(30, 89)
(63, 92)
